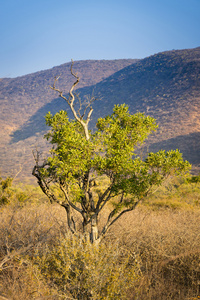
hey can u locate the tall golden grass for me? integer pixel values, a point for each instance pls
(150, 253)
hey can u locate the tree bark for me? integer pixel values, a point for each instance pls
(94, 235)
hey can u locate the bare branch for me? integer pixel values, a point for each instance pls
(69, 202)
(73, 86)
(110, 222)
(104, 199)
(71, 99)
(44, 185)
(80, 105)
(14, 253)
(88, 105)
(21, 168)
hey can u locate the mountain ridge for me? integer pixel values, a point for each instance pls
(165, 85)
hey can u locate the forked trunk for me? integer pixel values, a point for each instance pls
(90, 230)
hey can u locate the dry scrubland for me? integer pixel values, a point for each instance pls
(151, 253)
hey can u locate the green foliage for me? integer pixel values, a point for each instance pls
(88, 272)
(5, 190)
(119, 134)
(77, 161)
(19, 194)
(193, 179)
(72, 156)
(6, 183)
(109, 150)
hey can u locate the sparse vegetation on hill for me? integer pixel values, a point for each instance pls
(164, 86)
(25, 100)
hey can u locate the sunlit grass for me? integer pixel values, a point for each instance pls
(159, 241)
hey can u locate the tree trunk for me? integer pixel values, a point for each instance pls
(94, 234)
(70, 220)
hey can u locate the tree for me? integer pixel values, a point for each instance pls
(80, 160)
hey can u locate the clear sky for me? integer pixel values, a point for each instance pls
(39, 34)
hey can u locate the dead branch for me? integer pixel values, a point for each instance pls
(111, 221)
(71, 99)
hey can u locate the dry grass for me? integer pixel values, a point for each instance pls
(166, 242)
(23, 231)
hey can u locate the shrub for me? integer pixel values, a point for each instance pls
(88, 271)
(194, 179)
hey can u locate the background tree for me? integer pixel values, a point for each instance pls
(80, 160)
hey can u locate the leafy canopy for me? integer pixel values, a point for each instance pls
(110, 151)
(79, 158)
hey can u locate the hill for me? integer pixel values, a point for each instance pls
(25, 100)
(165, 86)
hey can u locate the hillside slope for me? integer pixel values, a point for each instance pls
(165, 86)
(25, 100)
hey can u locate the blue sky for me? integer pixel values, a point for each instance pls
(39, 34)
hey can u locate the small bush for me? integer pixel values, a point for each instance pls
(88, 271)
(20, 194)
(193, 179)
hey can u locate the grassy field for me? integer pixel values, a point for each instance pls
(150, 253)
